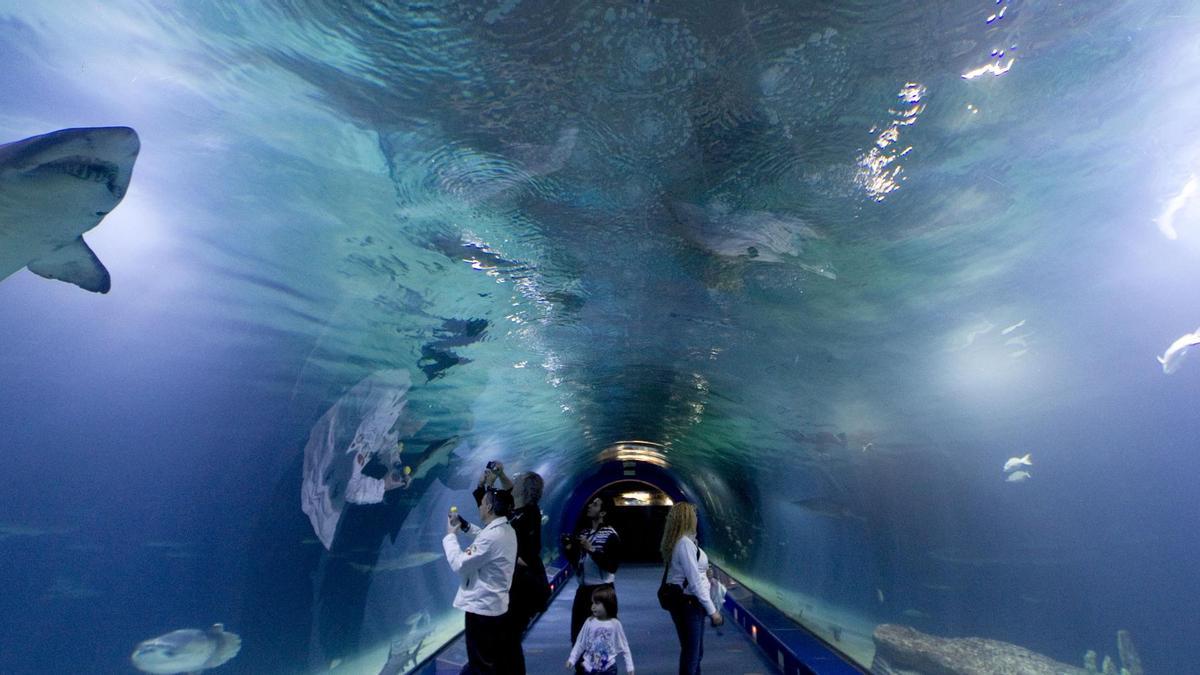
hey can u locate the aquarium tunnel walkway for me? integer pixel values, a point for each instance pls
(757, 638)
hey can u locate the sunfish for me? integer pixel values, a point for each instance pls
(1173, 357)
(186, 651)
(55, 187)
(1014, 462)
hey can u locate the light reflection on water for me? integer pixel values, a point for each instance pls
(676, 226)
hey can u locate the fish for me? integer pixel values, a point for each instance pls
(459, 333)
(1014, 462)
(53, 189)
(972, 333)
(831, 508)
(12, 530)
(760, 236)
(1173, 357)
(879, 594)
(403, 652)
(1018, 477)
(1013, 327)
(437, 454)
(404, 562)
(1023, 557)
(69, 589)
(1166, 221)
(434, 362)
(186, 651)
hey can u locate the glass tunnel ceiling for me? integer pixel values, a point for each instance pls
(838, 260)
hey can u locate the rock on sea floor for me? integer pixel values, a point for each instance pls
(901, 650)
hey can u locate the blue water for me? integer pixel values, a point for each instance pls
(672, 222)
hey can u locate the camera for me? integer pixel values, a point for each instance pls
(566, 540)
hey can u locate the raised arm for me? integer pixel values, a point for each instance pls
(506, 483)
(464, 562)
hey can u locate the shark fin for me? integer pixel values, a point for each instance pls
(228, 645)
(74, 263)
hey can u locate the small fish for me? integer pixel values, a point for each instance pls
(1017, 325)
(879, 594)
(1018, 476)
(436, 454)
(186, 651)
(1173, 357)
(1166, 222)
(1014, 462)
(403, 651)
(915, 614)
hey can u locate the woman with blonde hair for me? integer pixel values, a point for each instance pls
(685, 586)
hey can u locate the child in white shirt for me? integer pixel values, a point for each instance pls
(601, 639)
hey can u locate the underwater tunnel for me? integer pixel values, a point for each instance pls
(900, 295)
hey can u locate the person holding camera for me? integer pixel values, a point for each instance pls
(594, 554)
(486, 569)
(685, 590)
(530, 590)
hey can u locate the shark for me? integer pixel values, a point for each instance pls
(1173, 357)
(760, 236)
(53, 189)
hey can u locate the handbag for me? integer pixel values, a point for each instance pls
(671, 596)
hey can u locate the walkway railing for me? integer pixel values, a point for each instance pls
(794, 649)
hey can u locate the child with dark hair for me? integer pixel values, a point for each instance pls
(601, 639)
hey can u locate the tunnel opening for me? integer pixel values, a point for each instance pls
(638, 514)
(642, 493)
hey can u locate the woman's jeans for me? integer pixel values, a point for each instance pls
(689, 625)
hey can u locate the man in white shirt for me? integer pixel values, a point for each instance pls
(486, 571)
